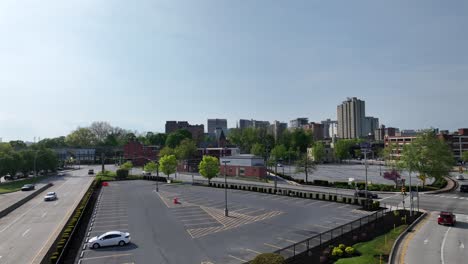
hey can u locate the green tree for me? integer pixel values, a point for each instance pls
(279, 152)
(168, 165)
(357, 153)
(465, 156)
(258, 149)
(305, 165)
(209, 167)
(81, 137)
(127, 165)
(301, 139)
(318, 151)
(166, 151)
(186, 149)
(18, 144)
(175, 138)
(427, 155)
(10, 163)
(158, 139)
(150, 167)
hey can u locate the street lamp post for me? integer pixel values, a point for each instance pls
(226, 213)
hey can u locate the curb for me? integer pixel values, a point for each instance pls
(445, 189)
(393, 253)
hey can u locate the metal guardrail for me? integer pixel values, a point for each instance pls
(290, 252)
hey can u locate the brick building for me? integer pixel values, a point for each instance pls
(245, 165)
(316, 129)
(398, 142)
(139, 154)
(457, 141)
(197, 131)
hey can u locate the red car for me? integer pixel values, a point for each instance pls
(446, 218)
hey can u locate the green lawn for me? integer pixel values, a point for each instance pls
(371, 250)
(16, 185)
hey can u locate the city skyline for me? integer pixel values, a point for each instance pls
(66, 64)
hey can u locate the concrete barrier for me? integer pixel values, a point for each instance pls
(14, 206)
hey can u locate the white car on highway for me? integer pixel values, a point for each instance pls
(50, 196)
(460, 177)
(112, 238)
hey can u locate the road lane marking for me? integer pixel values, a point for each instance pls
(409, 237)
(462, 245)
(426, 241)
(443, 245)
(243, 260)
(251, 250)
(25, 232)
(326, 205)
(44, 214)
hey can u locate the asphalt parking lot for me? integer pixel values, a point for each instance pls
(195, 230)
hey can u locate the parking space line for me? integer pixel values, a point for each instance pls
(197, 219)
(243, 260)
(328, 204)
(273, 246)
(112, 221)
(344, 206)
(206, 223)
(110, 217)
(108, 256)
(190, 216)
(288, 240)
(342, 219)
(321, 226)
(254, 251)
(98, 225)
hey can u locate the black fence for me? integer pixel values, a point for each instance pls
(324, 238)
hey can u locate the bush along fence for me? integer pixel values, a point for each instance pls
(287, 191)
(66, 246)
(318, 249)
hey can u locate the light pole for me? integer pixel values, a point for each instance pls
(157, 176)
(226, 213)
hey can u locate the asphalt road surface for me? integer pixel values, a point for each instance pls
(28, 232)
(436, 244)
(195, 230)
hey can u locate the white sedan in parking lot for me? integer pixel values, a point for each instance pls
(112, 238)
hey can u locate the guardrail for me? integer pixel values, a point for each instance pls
(287, 191)
(12, 207)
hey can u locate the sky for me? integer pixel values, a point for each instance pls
(136, 64)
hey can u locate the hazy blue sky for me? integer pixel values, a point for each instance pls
(138, 63)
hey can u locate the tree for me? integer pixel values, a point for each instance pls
(127, 165)
(209, 167)
(305, 165)
(318, 151)
(81, 137)
(150, 167)
(427, 155)
(186, 149)
(278, 152)
(465, 156)
(258, 149)
(100, 131)
(168, 165)
(342, 149)
(175, 138)
(301, 139)
(166, 151)
(357, 153)
(18, 144)
(156, 139)
(392, 175)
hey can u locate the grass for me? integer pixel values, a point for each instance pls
(16, 185)
(371, 250)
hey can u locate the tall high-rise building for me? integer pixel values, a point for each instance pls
(370, 125)
(244, 123)
(330, 128)
(277, 128)
(215, 123)
(351, 118)
(298, 122)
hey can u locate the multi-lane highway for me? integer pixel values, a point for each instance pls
(29, 231)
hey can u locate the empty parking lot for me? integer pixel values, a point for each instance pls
(195, 230)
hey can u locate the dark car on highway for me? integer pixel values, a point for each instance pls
(28, 187)
(362, 193)
(464, 188)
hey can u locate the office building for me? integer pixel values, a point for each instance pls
(330, 128)
(213, 124)
(457, 141)
(244, 123)
(298, 122)
(370, 125)
(351, 118)
(277, 128)
(316, 130)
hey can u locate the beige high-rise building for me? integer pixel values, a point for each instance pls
(351, 118)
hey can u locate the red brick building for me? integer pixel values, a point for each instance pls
(245, 165)
(397, 142)
(197, 131)
(457, 141)
(139, 154)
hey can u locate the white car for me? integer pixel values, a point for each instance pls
(50, 196)
(112, 238)
(460, 177)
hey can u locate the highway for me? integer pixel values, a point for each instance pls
(29, 231)
(436, 244)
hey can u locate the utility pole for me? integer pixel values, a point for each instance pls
(226, 213)
(411, 195)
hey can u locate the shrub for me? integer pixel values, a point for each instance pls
(122, 173)
(268, 258)
(337, 252)
(350, 251)
(342, 246)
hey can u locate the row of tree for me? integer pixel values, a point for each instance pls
(13, 161)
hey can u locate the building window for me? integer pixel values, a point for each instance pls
(242, 171)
